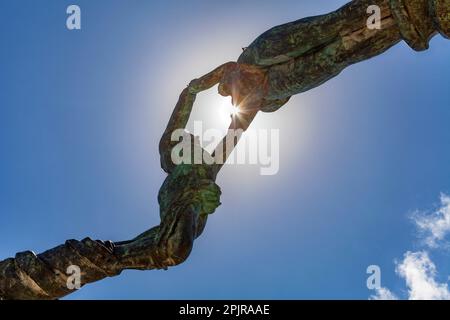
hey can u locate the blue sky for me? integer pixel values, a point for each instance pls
(81, 114)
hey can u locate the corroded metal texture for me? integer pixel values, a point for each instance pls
(440, 11)
(304, 54)
(414, 21)
(285, 60)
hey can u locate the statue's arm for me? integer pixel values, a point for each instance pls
(181, 113)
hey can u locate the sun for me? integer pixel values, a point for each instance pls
(234, 110)
(214, 110)
(227, 110)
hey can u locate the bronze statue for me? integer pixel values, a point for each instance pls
(285, 60)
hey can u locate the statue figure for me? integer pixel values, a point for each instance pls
(285, 60)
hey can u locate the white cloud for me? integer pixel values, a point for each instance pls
(383, 294)
(416, 268)
(419, 273)
(435, 226)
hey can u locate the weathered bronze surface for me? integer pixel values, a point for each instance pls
(285, 60)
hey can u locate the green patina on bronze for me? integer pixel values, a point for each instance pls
(190, 183)
(285, 60)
